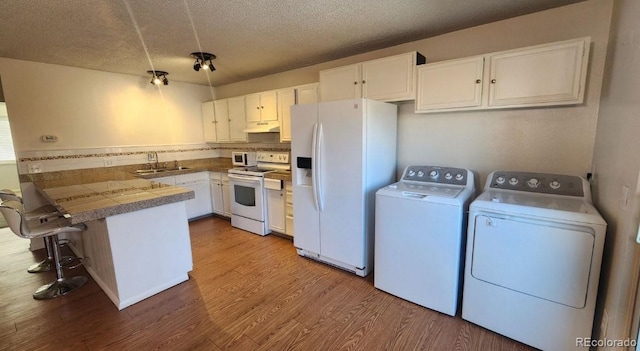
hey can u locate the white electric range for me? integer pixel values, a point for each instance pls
(248, 194)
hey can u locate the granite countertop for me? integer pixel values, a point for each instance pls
(280, 175)
(85, 202)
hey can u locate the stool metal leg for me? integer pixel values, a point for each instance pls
(48, 264)
(62, 286)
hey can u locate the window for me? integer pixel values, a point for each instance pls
(7, 154)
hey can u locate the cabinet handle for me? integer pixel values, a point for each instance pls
(493, 81)
(478, 81)
(261, 106)
(355, 83)
(363, 82)
(257, 107)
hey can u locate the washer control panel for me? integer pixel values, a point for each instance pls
(436, 174)
(537, 183)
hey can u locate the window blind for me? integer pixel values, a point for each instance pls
(6, 143)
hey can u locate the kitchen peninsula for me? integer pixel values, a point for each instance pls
(137, 239)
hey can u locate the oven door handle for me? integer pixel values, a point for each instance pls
(245, 178)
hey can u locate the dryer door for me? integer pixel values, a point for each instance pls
(547, 260)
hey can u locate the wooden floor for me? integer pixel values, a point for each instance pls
(246, 292)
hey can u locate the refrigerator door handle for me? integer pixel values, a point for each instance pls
(314, 167)
(319, 170)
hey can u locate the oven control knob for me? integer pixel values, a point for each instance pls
(500, 180)
(554, 184)
(533, 183)
(434, 174)
(420, 174)
(459, 176)
(412, 173)
(448, 176)
(513, 180)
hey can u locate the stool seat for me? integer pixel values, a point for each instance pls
(13, 212)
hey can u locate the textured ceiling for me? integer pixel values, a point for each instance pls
(250, 38)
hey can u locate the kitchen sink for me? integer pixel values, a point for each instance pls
(159, 170)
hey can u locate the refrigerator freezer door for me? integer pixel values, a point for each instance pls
(341, 181)
(307, 216)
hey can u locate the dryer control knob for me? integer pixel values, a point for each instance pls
(434, 174)
(500, 180)
(533, 183)
(554, 184)
(448, 176)
(459, 176)
(513, 180)
(420, 174)
(412, 173)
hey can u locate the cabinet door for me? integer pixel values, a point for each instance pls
(269, 106)
(552, 74)
(286, 99)
(450, 84)
(340, 83)
(226, 198)
(389, 78)
(222, 119)
(275, 210)
(252, 104)
(216, 197)
(209, 122)
(237, 121)
(307, 94)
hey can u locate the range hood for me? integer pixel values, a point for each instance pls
(262, 127)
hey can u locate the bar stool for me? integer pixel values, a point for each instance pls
(40, 214)
(13, 213)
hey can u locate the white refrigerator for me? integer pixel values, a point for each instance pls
(342, 152)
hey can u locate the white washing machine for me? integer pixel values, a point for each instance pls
(534, 249)
(420, 234)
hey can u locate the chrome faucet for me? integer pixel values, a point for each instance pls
(152, 156)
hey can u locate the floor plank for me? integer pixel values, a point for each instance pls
(246, 292)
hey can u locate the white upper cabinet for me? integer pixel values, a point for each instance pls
(237, 122)
(261, 107)
(307, 94)
(450, 84)
(386, 79)
(286, 98)
(222, 120)
(551, 74)
(542, 75)
(209, 122)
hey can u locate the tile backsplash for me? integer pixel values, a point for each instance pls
(62, 160)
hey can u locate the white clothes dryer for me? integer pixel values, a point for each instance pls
(534, 252)
(420, 234)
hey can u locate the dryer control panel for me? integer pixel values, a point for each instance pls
(545, 183)
(436, 174)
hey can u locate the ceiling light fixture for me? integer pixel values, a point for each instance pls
(159, 77)
(203, 60)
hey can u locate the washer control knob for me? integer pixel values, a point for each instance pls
(420, 174)
(500, 180)
(412, 173)
(459, 176)
(448, 176)
(533, 183)
(513, 180)
(434, 174)
(554, 184)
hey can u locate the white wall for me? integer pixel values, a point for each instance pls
(617, 163)
(558, 140)
(87, 109)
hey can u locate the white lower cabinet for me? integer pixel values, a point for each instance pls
(288, 212)
(199, 183)
(220, 194)
(275, 204)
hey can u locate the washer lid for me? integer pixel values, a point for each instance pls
(418, 190)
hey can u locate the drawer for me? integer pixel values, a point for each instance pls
(289, 211)
(289, 225)
(289, 197)
(275, 184)
(214, 175)
(192, 177)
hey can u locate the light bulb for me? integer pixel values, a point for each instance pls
(156, 80)
(205, 66)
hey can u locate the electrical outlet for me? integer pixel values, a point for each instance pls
(35, 168)
(604, 324)
(108, 161)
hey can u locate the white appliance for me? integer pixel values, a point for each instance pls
(247, 191)
(534, 249)
(342, 152)
(420, 236)
(243, 158)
